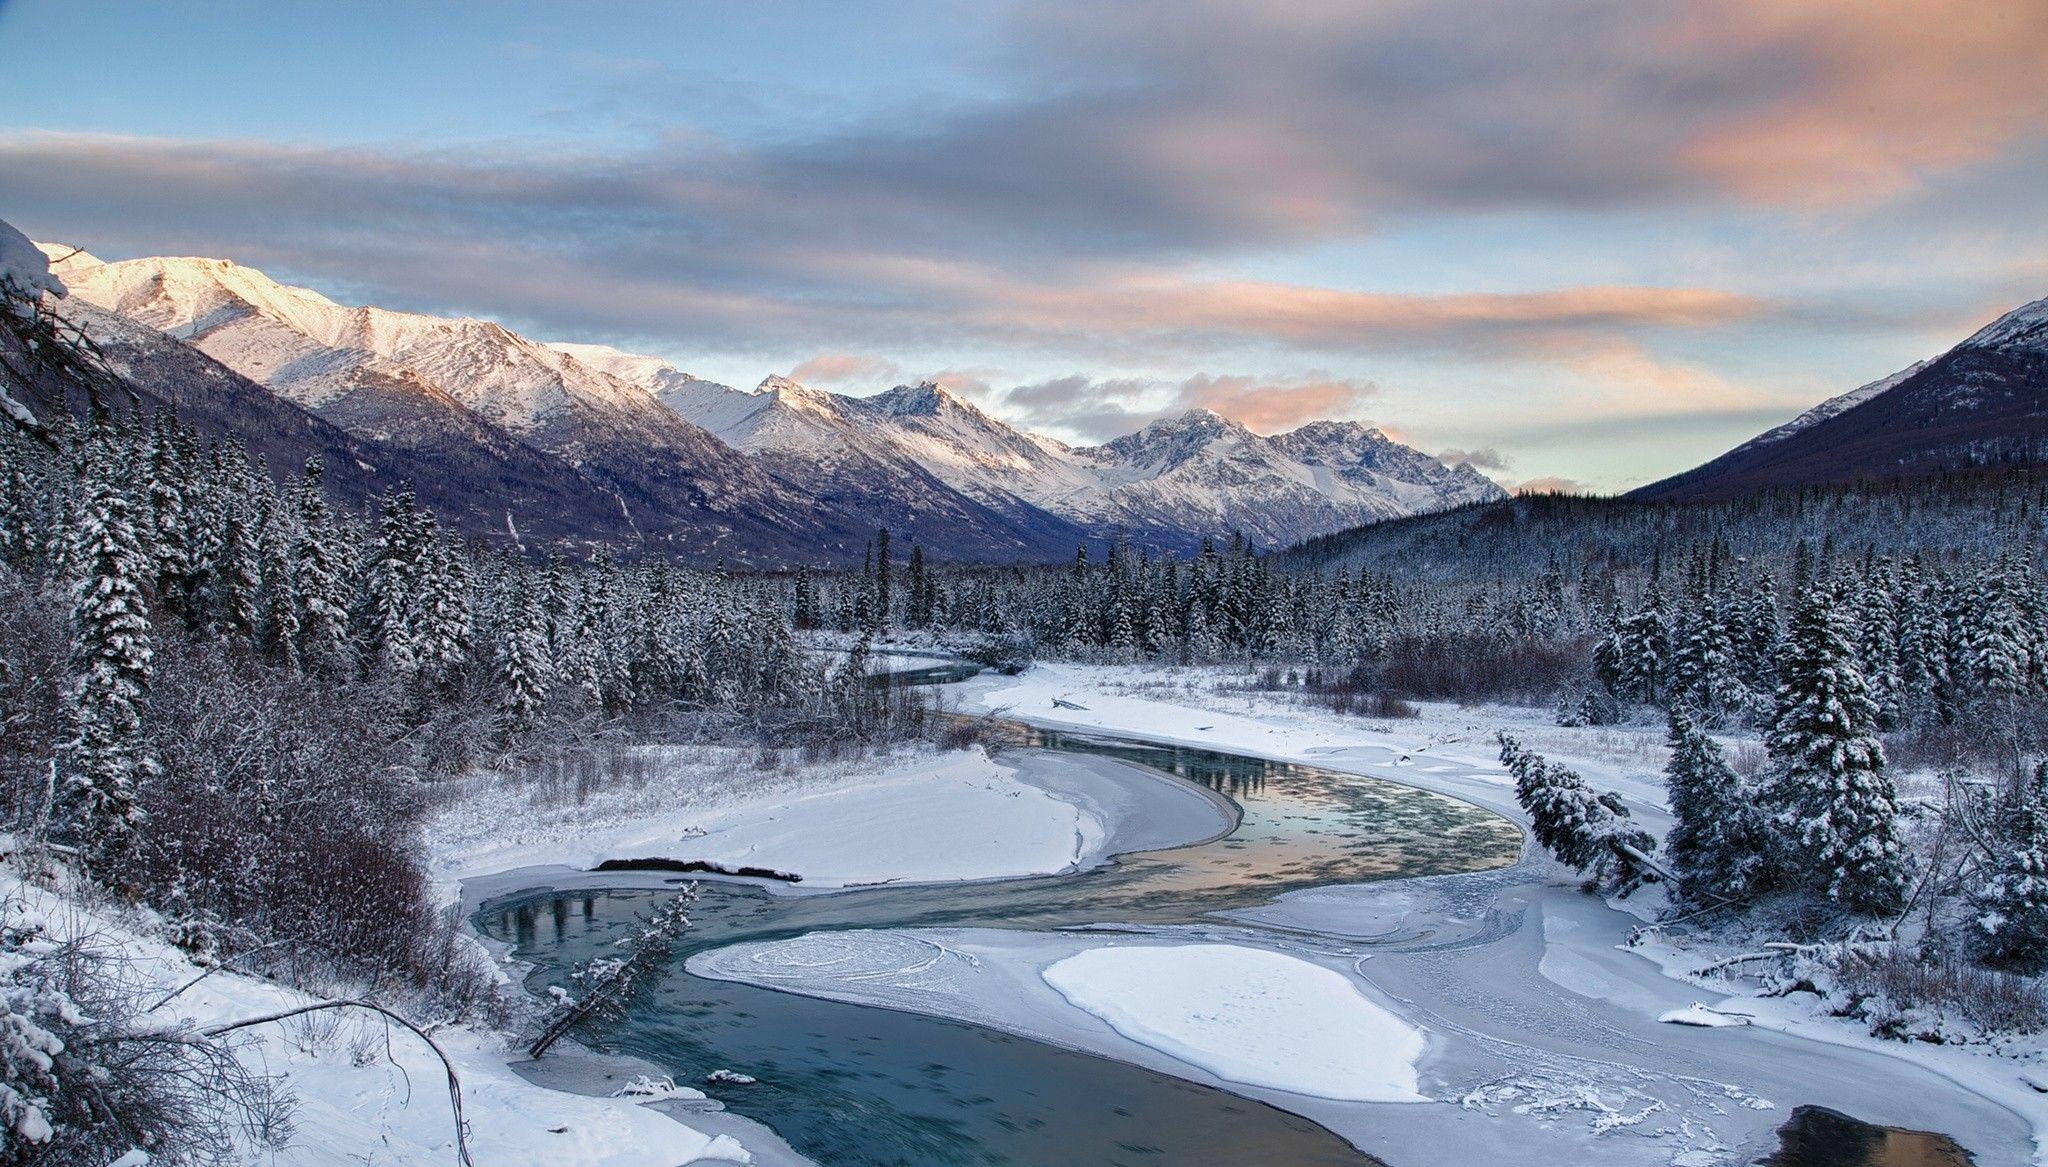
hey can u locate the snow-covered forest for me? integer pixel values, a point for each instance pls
(230, 703)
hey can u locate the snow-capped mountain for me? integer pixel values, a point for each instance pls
(462, 388)
(782, 473)
(1983, 402)
(1172, 482)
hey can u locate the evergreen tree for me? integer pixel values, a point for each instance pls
(319, 591)
(1718, 841)
(1585, 830)
(526, 669)
(1833, 802)
(111, 657)
(2011, 922)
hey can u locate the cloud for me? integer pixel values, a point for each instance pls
(1097, 410)
(1551, 484)
(1129, 144)
(646, 245)
(1484, 458)
(835, 368)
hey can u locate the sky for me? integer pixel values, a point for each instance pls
(1574, 243)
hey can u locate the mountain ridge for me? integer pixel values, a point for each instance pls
(1982, 402)
(779, 474)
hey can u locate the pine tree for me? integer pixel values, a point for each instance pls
(1585, 830)
(443, 636)
(111, 658)
(389, 591)
(236, 581)
(2011, 922)
(1718, 842)
(526, 670)
(1832, 801)
(319, 591)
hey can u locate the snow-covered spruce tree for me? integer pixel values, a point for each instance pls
(1587, 831)
(1718, 843)
(2011, 904)
(444, 634)
(319, 589)
(107, 755)
(527, 672)
(1832, 803)
(390, 593)
(1631, 659)
(1703, 666)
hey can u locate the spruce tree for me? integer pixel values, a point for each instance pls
(1832, 802)
(111, 658)
(526, 669)
(1586, 830)
(320, 593)
(1718, 844)
(2011, 904)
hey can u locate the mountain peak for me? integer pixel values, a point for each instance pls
(1199, 420)
(797, 395)
(927, 397)
(2026, 323)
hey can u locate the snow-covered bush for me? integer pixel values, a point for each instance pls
(88, 1073)
(1902, 993)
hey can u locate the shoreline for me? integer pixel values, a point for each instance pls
(1124, 796)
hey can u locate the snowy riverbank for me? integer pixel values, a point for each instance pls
(915, 816)
(1542, 1026)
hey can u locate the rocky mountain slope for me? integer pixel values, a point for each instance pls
(1168, 484)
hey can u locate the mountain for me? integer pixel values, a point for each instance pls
(1203, 471)
(1169, 484)
(1982, 403)
(584, 441)
(497, 490)
(468, 390)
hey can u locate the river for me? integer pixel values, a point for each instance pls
(855, 1085)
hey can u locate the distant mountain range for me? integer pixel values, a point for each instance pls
(1982, 403)
(583, 442)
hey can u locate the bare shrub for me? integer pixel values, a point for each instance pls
(1896, 980)
(121, 1081)
(1480, 667)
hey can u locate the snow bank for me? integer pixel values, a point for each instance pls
(370, 1093)
(912, 817)
(957, 817)
(24, 263)
(1249, 1015)
(1701, 1017)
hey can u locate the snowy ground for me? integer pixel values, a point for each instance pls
(1543, 1028)
(368, 1093)
(917, 816)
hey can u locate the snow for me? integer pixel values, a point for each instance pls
(1833, 406)
(1195, 472)
(368, 1094)
(1249, 1015)
(1560, 1020)
(1700, 1016)
(315, 351)
(917, 816)
(25, 264)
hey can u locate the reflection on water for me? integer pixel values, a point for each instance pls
(1819, 1137)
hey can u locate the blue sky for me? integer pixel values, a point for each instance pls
(1595, 243)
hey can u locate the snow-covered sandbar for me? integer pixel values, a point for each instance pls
(921, 818)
